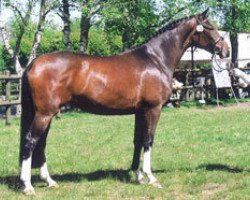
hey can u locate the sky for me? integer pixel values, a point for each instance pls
(7, 14)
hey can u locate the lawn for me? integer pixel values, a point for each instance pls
(199, 153)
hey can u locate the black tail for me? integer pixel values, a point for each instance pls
(28, 113)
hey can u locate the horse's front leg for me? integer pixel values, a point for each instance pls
(152, 116)
(138, 143)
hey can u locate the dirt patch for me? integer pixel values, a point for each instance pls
(231, 106)
(242, 105)
(177, 195)
(237, 106)
(211, 189)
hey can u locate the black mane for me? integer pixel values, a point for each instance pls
(167, 27)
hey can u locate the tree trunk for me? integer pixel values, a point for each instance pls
(66, 24)
(125, 41)
(234, 36)
(84, 33)
(234, 45)
(22, 30)
(38, 34)
(89, 9)
(128, 38)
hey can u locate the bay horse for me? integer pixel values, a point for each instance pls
(137, 81)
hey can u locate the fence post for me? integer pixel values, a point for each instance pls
(8, 98)
(187, 83)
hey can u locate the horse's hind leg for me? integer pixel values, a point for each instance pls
(44, 174)
(38, 128)
(39, 159)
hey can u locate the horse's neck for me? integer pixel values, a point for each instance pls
(169, 47)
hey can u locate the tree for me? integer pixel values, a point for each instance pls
(134, 20)
(45, 8)
(22, 13)
(89, 10)
(235, 19)
(23, 20)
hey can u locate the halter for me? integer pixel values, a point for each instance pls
(201, 27)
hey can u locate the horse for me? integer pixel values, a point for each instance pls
(244, 79)
(137, 81)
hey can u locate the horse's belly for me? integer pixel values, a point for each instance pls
(102, 107)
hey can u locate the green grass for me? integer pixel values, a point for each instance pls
(198, 154)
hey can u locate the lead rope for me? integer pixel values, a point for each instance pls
(221, 69)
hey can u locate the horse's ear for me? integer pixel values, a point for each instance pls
(205, 13)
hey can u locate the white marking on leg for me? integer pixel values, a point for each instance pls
(147, 169)
(147, 161)
(26, 176)
(44, 174)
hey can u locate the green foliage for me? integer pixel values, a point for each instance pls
(52, 40)
(98, 43)
(102, 44)
(3, 54)
(172, 10)
(234, 15)
(75, 35)
(133, 20)
(26, 43)
(115, 43)
(237, 15)
(204, 66)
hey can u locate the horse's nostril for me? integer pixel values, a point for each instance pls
(217, 49)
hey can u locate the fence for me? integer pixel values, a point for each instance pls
(198, 85)
(10, 90)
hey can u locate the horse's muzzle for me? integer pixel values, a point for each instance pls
(224, 54)
(223, 51)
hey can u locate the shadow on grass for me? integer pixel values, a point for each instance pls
(14, 183)
(119, 174)
(220, 167)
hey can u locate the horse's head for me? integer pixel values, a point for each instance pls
(207, 37)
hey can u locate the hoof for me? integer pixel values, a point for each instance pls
(156, 184)
(141, 181)
(53, 185)
(29, 191)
